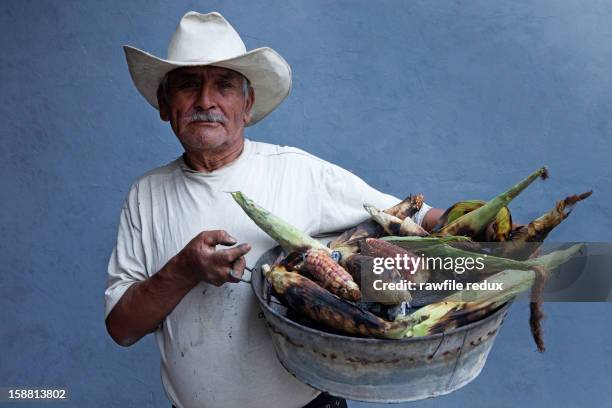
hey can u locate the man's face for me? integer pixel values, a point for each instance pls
(206, 107)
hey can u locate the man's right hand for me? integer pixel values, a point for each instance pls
(201, 261)
(145, 304)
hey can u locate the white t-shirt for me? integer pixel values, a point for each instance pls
(215, 350)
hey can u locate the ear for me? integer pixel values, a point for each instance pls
(249, 106)
(162, 102)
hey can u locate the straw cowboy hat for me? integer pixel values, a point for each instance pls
(208, 39)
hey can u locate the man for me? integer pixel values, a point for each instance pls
(169, 274)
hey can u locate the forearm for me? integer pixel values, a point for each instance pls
(431, 219)
(145, 304)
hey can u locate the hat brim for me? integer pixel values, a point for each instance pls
(268, 73)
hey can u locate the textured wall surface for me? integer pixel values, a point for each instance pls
(454, 99)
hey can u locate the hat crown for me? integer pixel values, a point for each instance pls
(204, 37)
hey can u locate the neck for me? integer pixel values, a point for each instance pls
(208, 161)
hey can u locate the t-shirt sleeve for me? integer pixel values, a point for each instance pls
(343, 195)
(126, 265)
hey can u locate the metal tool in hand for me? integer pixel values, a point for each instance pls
(336, 256)
(233, 274)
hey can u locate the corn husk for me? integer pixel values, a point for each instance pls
(289, 237)
(474, 222)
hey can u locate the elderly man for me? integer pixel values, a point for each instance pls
(169, 273)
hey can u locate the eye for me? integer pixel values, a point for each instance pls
(187, 84)
(225, 85)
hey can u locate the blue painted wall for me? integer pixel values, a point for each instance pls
(454, 99)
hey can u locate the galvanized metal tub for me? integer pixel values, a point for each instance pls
(375, 370)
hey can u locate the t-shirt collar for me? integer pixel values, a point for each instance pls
(246, 152)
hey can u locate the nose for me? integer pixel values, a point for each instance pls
(206, 98)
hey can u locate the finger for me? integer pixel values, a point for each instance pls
(237, 270)
(238, 266)
(230, 255)
(233, 278)
(218, 237)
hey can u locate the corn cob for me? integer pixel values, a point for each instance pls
(408, 207)
(474, 222)
(366, 229)
(288, 236)
(467, 306)
(359, 266)
(370, 229)
(384, 249)
(537, 230)
(345, 252)
(316, 261)
(497, 231)
(432, 249)
(330, 275)
(309, 299)
(354, 264)
(491, 263)
(347, 246)
(393, 225)
(455, 312)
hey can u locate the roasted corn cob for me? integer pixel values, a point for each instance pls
(474, 222)
(349, 238)
(526, 239)
(498, 230)
(330, 275)
(393, 225)
(384, 249)
(371, 229)
(360, 267)
(467, 306)
(309, 299)
(408, 207)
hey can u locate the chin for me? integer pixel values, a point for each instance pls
(204, 141)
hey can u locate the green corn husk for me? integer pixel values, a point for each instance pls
(289, 237)
(497, 231)
(457, 210)
(474, 222)
(432, 249)
(349, 248)
(466, 306)
(492, 264)
(425, 241)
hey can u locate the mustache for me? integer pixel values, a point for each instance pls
(203, 116)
